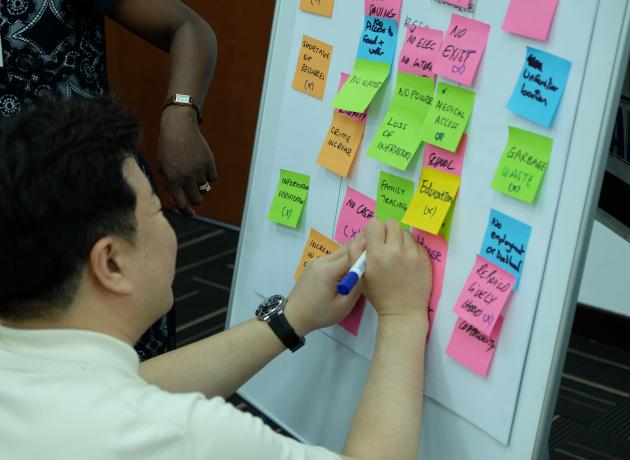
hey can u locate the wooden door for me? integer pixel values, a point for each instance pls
(139, 73)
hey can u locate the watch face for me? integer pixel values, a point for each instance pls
(269, 305)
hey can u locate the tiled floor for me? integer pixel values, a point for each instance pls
(592, 420)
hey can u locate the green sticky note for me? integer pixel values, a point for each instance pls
(398, 137)
(393, 196)
(523, 164)
(445, 230)
(362, 85)
(447, 120)
(290, 198)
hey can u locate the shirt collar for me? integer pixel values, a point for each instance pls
(69, 346)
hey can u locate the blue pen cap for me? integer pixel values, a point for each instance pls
(347, 283)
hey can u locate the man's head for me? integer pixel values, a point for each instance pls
(77, 216)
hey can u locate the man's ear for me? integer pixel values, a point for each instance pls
(110, 266)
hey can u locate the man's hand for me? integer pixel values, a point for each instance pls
(184, 159)
(397, 278)
(314, 302)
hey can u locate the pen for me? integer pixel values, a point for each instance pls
(353, 276)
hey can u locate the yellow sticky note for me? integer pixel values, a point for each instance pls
(321, 7)
(317, 245)
(432, 200)
(312, 66)
(341, 144)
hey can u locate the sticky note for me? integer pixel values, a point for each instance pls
(362, 117)
(432, 200)
(540, 87)
(505, 243)
(398, 137)
(341, 144)
(320, 7)
(484, 295)
(443, 160)
(317, 245)
(448, 117)
(393, 196)
(472, 348)
(523, 164)
(530, 18)
(312, 66)
(419, 51)
(290, 198)
(437, 249)
(356, 211)
(462, 49)
(388, 9)
(366, 79)
(460, 3)
(378, 39)
(352, 322)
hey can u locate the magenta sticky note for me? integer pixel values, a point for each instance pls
(472, 348)
(461, 3)
(419, 51)
(462, 48)
(362, 117)
(443, 160)
(388, 9)
(530, 18)
(484, 295)
(356, 211)
(352, 322)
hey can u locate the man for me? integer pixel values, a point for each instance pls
(87, 264)
(57, 47)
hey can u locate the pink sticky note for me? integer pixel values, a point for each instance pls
(419, 51)
(472, 348)
(530, 18)
(460, 3)
(357, 210)
(462, 49)
(485, 293)
(389, 9)
(352, 322)
(443, 160)
(362, 117)
(437, 249)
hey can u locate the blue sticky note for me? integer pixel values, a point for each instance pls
(540, 86)
(505, 243)
(378, 39)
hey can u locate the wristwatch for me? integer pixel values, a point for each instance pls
(183, 99)
(271, 311)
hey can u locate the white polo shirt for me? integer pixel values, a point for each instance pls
(71, 394)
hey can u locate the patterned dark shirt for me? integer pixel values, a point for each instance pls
(57, 47)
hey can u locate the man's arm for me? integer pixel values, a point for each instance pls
(184, 158)
(219, 365)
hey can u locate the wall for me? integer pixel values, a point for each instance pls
(139, 72)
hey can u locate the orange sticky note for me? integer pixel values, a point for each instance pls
(341, 144)
(321, 7)
(317, 246)
(312, 67)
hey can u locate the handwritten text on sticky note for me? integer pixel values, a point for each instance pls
(443, 160)
(317, 246)
(523, 164)
(362, 117)
(366, 79)
(393, 196)
(341, 144)
(540, 87)
(356, 211)
(378, 39)
(505, 243)
(484, 295)
(290, 198)
(472, 348)
(437, 249)
(320, 7)
(312, 66)
(530, 18)
(448, 117)
(462, 49)
(419, 51)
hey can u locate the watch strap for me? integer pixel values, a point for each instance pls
(287, 335)
(183, 100)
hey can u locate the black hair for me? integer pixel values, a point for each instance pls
(61, 189)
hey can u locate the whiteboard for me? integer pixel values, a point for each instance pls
(313, 393)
